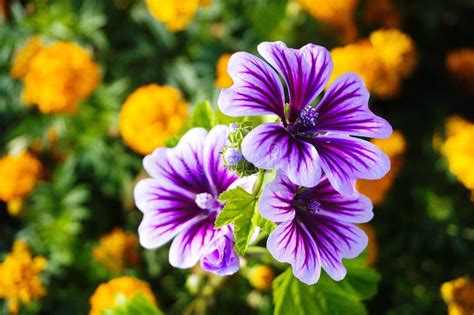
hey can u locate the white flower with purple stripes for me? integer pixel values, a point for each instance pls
(310, 140)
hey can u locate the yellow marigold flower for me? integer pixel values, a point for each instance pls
(459, 150)
(396, 50)
(459, 296)
(118, 291)
(337, 13)
(223, 79)
(59, 76)
(460, 64)
(175, 15)
(117, 250)
(394, 147)
(382, 62)
(372, 247)
(20, 280)
(19, 175)
(261, 277)
(150, 115)
(22, 58)
(361, 58)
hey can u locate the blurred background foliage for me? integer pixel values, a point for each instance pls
(423, 231)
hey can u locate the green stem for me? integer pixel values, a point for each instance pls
(258, 184)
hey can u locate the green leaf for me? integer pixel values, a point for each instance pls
(240, 208)
(327, 296)
(203, 116)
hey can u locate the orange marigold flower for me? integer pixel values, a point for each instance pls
(223, 79)
(382, 61)
(175, 15)
(459, 296)
(117, 250)
(395, 49)
(261, 277)
(111, 294)
(20, 280)
(22, 58)
(19, 175)
(337, 13)
(460, 64)
(458, 149)
(394, 147)
(150, 115)
(59, 76)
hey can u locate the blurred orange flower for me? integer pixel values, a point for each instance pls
(150, 115)
(175, 15)
(459, 296)
(19, 175)
(460, 64)
(58, 77)
(337, 13)
(110, 294)
(458, 149)
(20, 280)
(117, 250)
(23, 57)
(382, 61)
(223, 79)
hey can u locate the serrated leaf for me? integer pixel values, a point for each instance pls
(327, 296)
(241, 209)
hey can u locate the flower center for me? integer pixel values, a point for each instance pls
(207, 201)
(308, 117)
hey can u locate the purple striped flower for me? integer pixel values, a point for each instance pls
(310, 140)
(180, 201)
(315, 226)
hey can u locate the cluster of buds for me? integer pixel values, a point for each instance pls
(232, 155)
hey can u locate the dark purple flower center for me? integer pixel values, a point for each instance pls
(303, 201)
(305, 123)
(208, 202)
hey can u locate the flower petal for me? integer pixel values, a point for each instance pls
(292, 243)
(158, 227)
(189, 246)
(221, 257)
(181, 166)
(355, 208)
(272, 146)
(306, 71)
(275, 203)
(257, 90)
(334, 240)
(344, 109)
(345, 159)
(219, 177)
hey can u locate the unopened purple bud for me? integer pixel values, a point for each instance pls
(232, 156)
(233, 127)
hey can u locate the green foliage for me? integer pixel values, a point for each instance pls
(241, 209)
(291, 296)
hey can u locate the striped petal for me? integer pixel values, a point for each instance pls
(344, 109)
(275, 203)
(334, 241)
(292, 243)
(345, 159)
(272, 146)
(257, 89)
(306, 71)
